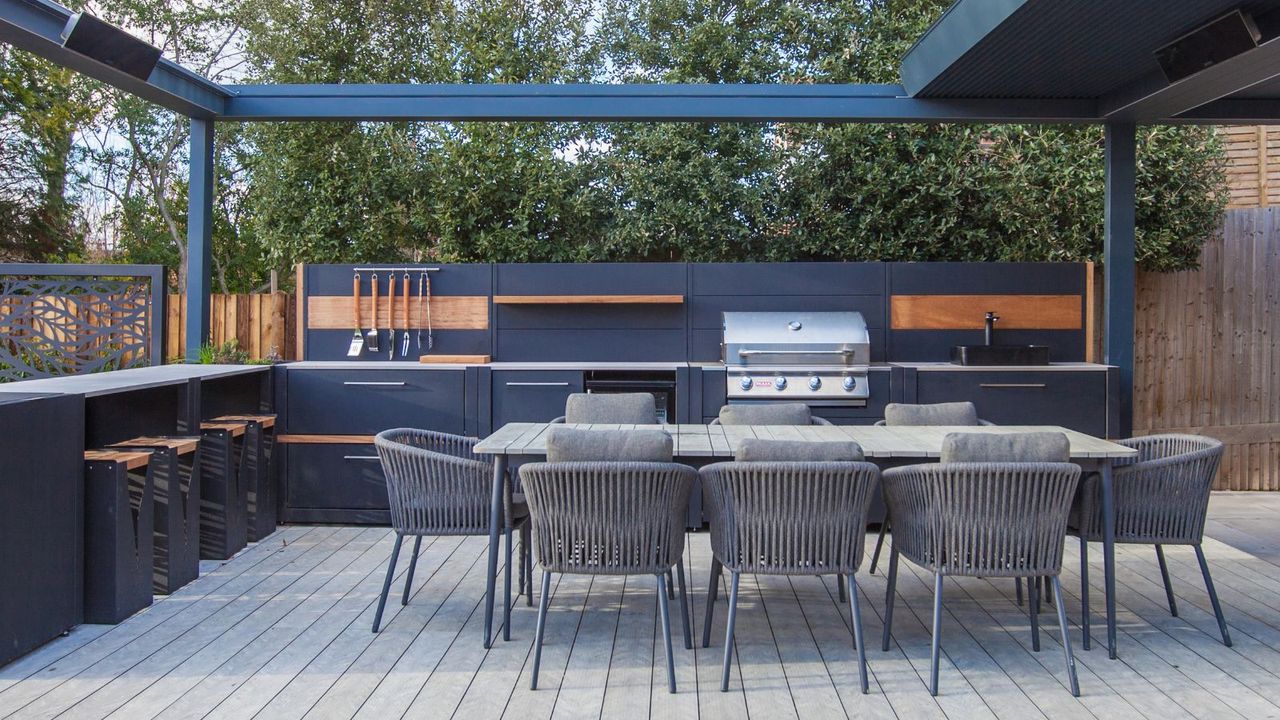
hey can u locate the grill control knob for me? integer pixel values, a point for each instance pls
(780, 383)
(849, 383)
(745, 382)
(815, 382)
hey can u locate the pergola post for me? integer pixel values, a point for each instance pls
(1118, 263)
(199, 236)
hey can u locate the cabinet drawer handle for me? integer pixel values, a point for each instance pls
(375, 383)
(537, 384)
(361, 457)
(1012, 385)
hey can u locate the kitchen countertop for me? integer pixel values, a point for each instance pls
(673, 365)
(116, 381)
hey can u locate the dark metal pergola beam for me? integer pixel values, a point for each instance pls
(36, 26)
(635, 103)
(1153, 98)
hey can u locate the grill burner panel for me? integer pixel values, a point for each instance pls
(816, 356)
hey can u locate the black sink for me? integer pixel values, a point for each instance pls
(1000, 355)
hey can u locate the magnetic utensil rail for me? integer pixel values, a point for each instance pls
(396, 269)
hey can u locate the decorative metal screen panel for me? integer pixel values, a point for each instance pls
(54, 324)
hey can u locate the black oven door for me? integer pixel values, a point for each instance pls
(661, 385)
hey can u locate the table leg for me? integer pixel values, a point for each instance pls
(1109, 552)
(495, 519)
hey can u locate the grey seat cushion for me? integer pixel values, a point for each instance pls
(623, 408)
(757, 450)
(954, 413)
(772, 414)
(1006, 447)
(573, 445)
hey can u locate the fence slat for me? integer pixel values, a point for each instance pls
(258, 323)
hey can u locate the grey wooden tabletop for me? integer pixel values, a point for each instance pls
(529, 439)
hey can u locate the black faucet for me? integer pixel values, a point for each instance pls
(992, 317)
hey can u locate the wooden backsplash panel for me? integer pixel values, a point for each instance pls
(968, 312)
(448, 312)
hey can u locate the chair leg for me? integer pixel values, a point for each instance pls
(671, 585)
(713, 586)
(840, 588)
(875, 556)
(1033, 607)
(728, 632)
(528, 563)
(1068, 656)
(1017, 589)
(665, 611)
(543, 600)
(855, 610)
(386, 582)
(888, 598)
(1213, 596)
(1168, 585)
(413, 563)
(1086, 639)
(684, 606)
(935, 649)
(506, 589)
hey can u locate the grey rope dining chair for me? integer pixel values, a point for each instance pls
(906, 414)
(619, 516)
(1162, 498)
(610, 408)
(436, 485)
(771, 414)
(984, 519)
(773, 513)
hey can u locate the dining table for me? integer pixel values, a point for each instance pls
(516, 443)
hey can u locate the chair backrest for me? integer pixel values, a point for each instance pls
(1006, 447)
(952, 413)
(988, 519)
(1163, 496)
(771, 414)
(623, 408)
(435, 485)
(788, 518)
(758, 450)
(566, 444)
(607, 518)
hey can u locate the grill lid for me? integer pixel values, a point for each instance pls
(796, 338)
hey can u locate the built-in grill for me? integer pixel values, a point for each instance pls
(819, 357)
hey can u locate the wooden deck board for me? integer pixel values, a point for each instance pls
(283, 631)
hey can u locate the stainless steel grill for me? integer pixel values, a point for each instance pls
(809, 356)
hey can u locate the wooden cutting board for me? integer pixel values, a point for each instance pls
(455, 359)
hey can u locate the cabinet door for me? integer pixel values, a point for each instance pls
(1071, 399)
(366, 402)
(335, 483)
(532, 395)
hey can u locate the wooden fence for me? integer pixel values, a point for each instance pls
(260, 323)
(1206, 349)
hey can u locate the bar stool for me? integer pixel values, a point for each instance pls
(118, 544)
(223, 493)
(260, 443)
(175, 470)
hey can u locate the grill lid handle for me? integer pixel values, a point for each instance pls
(749, 353)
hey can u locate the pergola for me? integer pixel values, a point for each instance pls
(984, 61)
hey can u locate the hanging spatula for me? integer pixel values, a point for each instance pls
(371, 337)
(357, 339)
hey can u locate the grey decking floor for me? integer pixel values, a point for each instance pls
(282, 631)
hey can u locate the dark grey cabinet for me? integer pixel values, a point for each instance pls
(335, 483)
(1071, 399)
(41, 519)
(366, 402)
(532, 395)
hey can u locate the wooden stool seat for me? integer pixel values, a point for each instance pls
(235, 428)
(265, 420)
(131, 459)
(183, 444)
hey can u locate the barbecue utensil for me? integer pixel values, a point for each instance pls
(371, 337)
(391, 314)
(421, 279)
(357, 339)
(431, 337)
(404, 315)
